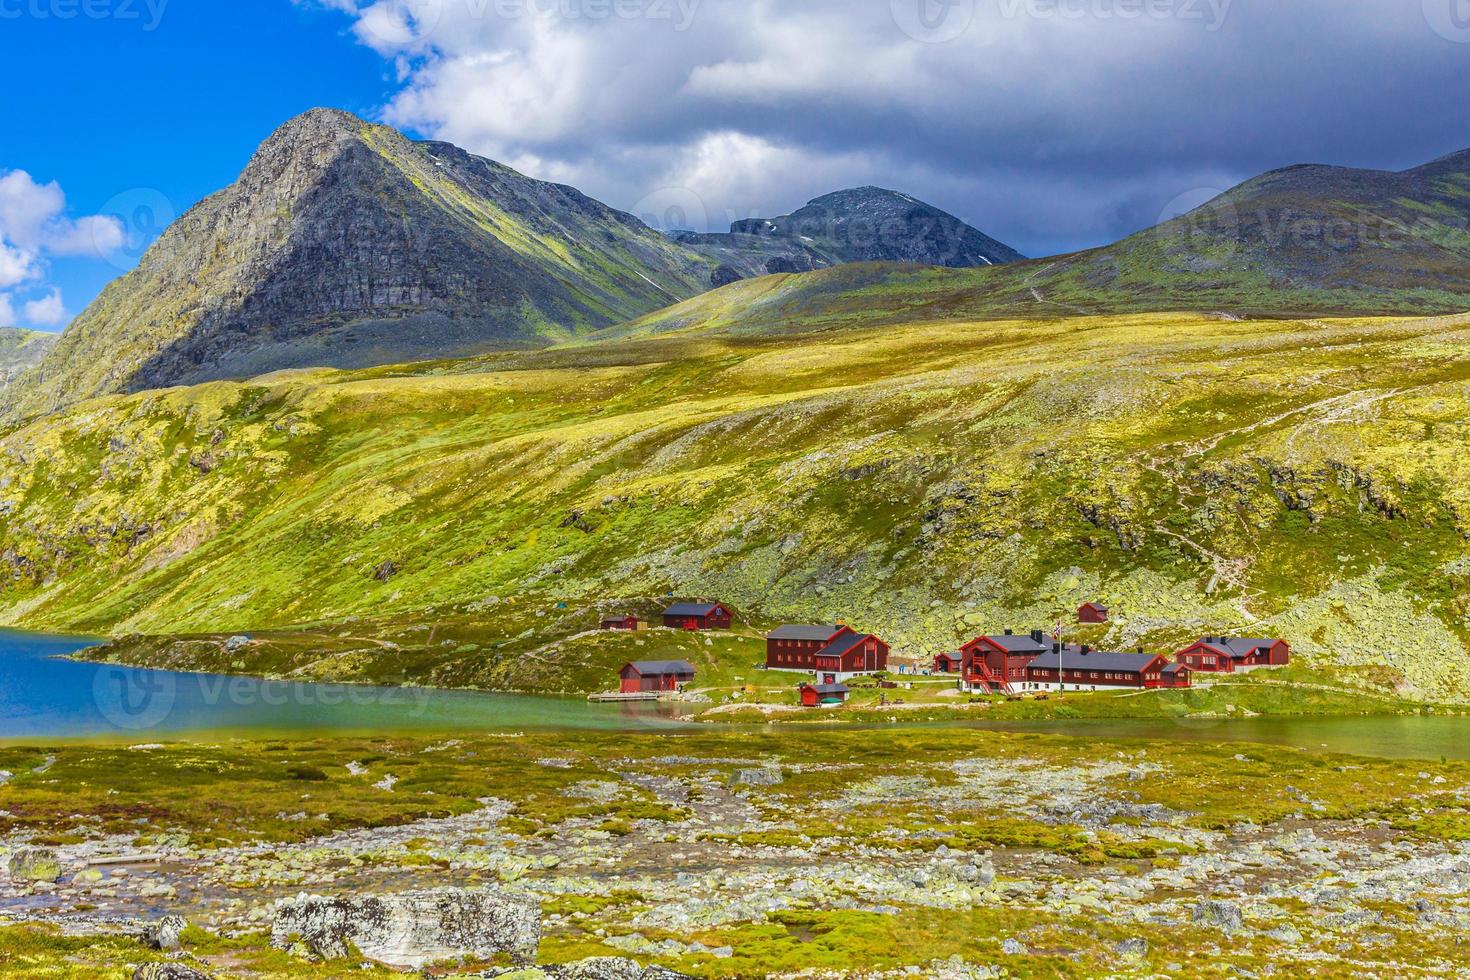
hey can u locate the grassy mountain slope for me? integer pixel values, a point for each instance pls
(1305, 241)
(344, 243)
(926, 480)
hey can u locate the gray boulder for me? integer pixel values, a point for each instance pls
(168, 971)
(412, 929)
(597, 968)
(767, 776)
(1133, 947)
(1222, 915)
(164, 934)
(34, 864)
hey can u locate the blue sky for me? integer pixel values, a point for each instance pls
(158, 118)
(1052, 125)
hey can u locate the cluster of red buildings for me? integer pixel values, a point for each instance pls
(833, 652)
(1011, 663)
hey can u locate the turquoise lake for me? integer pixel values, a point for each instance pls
(43, 695)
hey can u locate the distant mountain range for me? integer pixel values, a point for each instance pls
(346, 244)
(865, 224)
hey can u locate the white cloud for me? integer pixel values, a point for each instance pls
(1032, 115)
(48, 311)
(33, 227)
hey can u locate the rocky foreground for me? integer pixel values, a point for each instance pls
(877, 854)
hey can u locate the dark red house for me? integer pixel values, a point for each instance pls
(815, 695)
(1092, 613)
(698, 616)
(1083, 669)
(795, 647)
(1227, 654)
(655, 675)
(620, 623)
(850, 654)
(949, 663)
(993, 663)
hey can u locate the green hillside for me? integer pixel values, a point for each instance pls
(927, 481)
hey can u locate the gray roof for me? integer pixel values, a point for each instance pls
(1238, 646)
(831, 688)
(680, 667)
(844, 643)
(1174, 668)
(1075, 659)
(794, 632)
(1021, 644)
(691, 609)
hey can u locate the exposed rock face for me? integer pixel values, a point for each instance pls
(164, 934)
(597, 968)
(862, 224)
(1222, 915)
(344, 243)
(168, 971)
(414, 928)
(767, 776)
(34, 864)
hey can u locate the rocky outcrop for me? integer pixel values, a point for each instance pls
(411, 929)
(34, 864)
(597, 968)
(169, 971)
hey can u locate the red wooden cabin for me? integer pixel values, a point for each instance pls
(655, 675)
(620, 623)
(1084, 669)
(949, 663)
(814, 695)
(1227, 654)
(850, 654)
(993, 663)
(1092, 613)
(794, 647)
(698, 616)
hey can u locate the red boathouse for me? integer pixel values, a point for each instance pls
(1092, 613)
(816, 695)
(1227, 654)
(655, 675)
(698, 616)
(620, 623)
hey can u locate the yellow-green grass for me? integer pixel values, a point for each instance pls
(928, 480)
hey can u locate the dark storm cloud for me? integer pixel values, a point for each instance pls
(1051, 124)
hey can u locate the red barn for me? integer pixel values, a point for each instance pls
(850, 654)
(1092, 613)
(1227, 654)
(815, 695)
(698, 616)
(655, 675)
(1083, 669)
(620, 623)
(1177, 675)
(795, 647)
(949, 663)
(993, 663)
